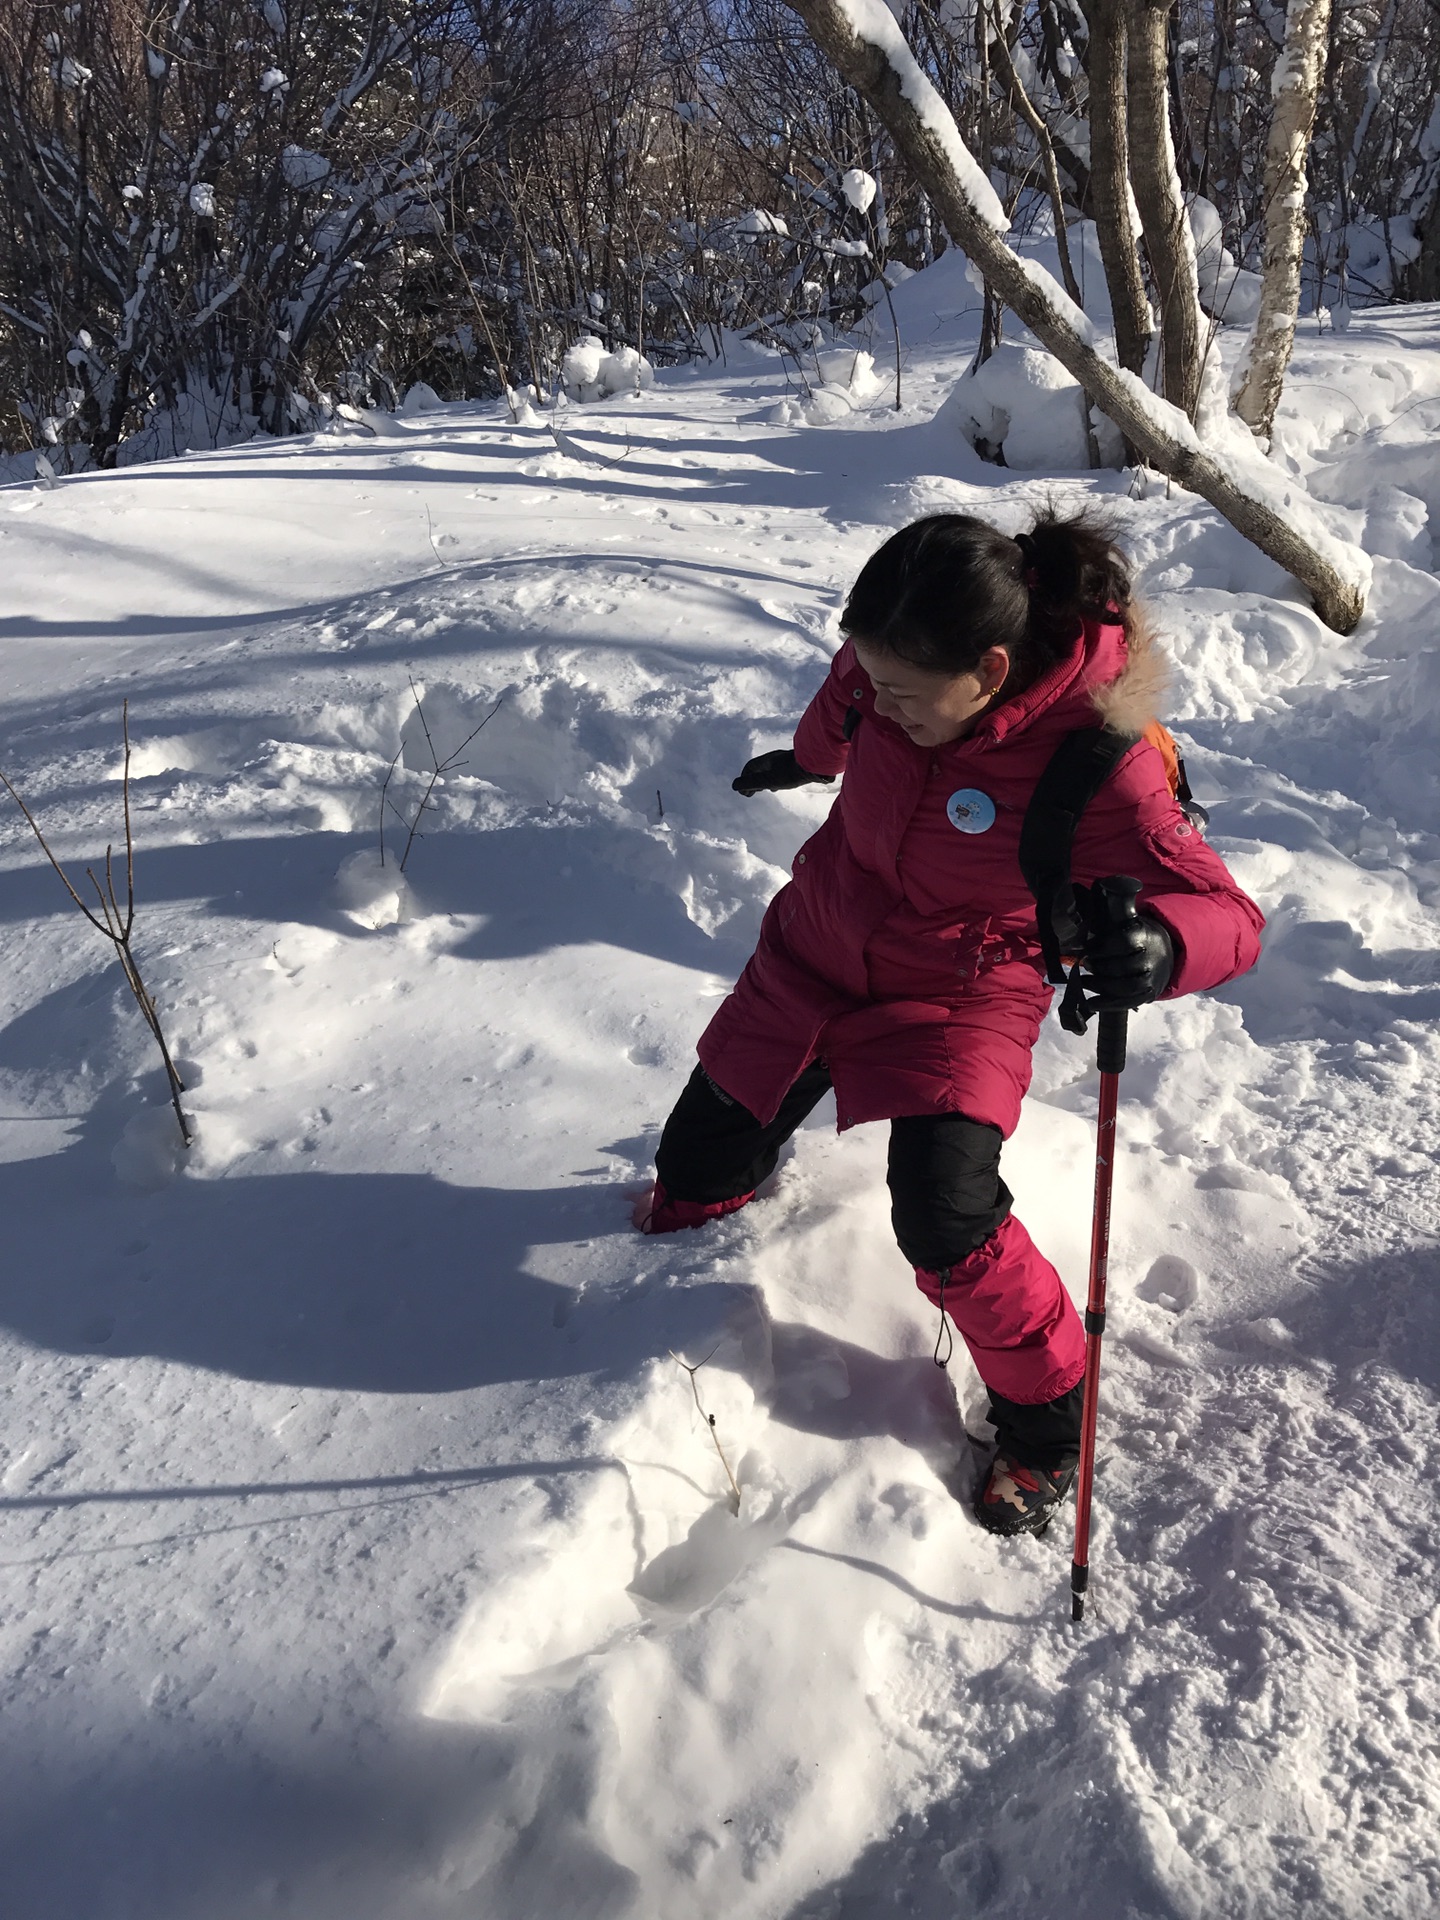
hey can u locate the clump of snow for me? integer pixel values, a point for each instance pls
(755, 224)
(851, 371)
(858, 188)
(581, 366)
(1021, 405)
(626, 371)
(848, 383)
(303, 169)
(202, 200)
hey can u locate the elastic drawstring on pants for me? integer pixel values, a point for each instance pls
(944, 1333)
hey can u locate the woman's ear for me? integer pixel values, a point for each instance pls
(993, 668)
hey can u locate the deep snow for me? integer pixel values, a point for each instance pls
(365, 1554)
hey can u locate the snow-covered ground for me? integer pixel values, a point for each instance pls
(365, 1555)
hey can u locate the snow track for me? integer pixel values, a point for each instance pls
(365, 1552)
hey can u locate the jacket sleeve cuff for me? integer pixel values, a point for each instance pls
(1216, 938)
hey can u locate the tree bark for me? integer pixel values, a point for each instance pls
(1295, 87)
(1110, 182)
(925, 133)
(1156, 181)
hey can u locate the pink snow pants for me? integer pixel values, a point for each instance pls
(1011, 1309)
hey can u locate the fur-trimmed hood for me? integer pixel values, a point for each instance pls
(1134, 697)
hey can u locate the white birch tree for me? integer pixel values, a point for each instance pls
(1294, 87)
(1163, 218)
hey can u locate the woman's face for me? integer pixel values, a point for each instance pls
(933, 708)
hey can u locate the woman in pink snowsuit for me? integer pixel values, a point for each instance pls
(902, 964)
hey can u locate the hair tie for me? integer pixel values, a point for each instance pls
(1030, 576)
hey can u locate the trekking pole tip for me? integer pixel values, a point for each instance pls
(1077, 1606)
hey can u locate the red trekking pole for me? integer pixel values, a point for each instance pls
(1115, 902)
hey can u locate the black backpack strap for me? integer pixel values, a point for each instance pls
(1077, 770)
(1198, 816)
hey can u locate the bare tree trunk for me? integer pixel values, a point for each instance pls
(1296, 86)
(882, 69)
(1110, 183)
(1427, 264)
(1162, 210)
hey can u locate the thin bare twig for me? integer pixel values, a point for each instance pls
(708, 1418)
(439, 768)
(115, 925)
(384, 793)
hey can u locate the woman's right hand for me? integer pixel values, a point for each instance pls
(775, 772)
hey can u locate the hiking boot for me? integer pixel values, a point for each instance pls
(1020, 1499)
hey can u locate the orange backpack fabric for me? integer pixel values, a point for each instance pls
(1163, 741)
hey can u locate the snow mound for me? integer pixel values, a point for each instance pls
(369, 894)
(149, 1152)
(1227, 290)
(1023, 408)
(420, 398)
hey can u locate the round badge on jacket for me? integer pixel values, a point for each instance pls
(970, 810)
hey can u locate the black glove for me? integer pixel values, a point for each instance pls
(775, 772)
(1130, 964)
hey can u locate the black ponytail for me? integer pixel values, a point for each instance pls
(944, 590)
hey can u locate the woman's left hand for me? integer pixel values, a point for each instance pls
(1129, 964)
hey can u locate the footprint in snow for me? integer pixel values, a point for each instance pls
(1171, 1282)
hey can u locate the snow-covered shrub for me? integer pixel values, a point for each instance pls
(592, 373)
(626, 371)
(848, 382)
(756, 224)
(581, 366)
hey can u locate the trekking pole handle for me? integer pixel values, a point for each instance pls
(1115, 901)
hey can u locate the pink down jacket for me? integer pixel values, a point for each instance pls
(904, 951)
